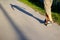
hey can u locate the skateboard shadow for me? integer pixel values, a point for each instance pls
(25, 12)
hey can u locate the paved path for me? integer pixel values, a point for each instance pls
(20, 22)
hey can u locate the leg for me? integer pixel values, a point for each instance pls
(47, 6)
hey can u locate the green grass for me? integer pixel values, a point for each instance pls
(36, 8)
(55, 15)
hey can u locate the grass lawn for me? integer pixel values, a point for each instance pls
(55, 15)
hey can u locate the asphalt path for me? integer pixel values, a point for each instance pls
(20, 22)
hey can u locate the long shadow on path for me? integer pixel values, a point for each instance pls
(19, 32)
(22, 10)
